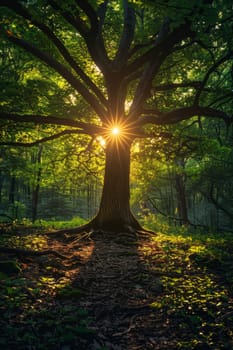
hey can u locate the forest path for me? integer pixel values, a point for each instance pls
(118, 288)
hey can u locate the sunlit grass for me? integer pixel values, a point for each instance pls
(30, 241)
(59, 224)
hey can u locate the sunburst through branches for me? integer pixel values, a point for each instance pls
(119, 133)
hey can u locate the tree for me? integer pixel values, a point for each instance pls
(125, 66)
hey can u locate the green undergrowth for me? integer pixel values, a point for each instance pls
(195, 269)
(50, 224)
(41, 312)
(75, 222)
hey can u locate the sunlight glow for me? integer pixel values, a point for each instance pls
(101, 141)
(115, 131)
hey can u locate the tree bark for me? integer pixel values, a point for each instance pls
(114, 212)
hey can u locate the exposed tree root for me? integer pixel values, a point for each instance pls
(72, 234)
(27, 252)
(72, 231)
(144, 231)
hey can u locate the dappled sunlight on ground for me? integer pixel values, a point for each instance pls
(119, 292)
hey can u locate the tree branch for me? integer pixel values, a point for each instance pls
(89, 11)
(211, 198)
(138, 47)
(93, 39)
(101, 13)
(222, 99)
(62, 70)
(164, 45)
(20, 10)
(76, 22)
(210, 71)
(127, 35)
(163, 41)
(89, 129)
(44, 139)
(171, 86)
(160, 118)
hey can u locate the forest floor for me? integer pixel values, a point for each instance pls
(116, 291)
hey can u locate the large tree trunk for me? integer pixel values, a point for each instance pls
(114, 212)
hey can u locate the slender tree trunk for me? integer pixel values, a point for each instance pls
(212, 198)
(12, 190)
(114, 212)
(36, 190)
(181, 196)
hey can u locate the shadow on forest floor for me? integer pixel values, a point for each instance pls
(118, 292)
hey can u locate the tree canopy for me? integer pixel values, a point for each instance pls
(115, 71)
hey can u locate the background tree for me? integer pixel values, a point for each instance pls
(112, 69)
(199, 159)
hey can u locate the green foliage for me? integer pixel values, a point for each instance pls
(74, 222)
(197, 277)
